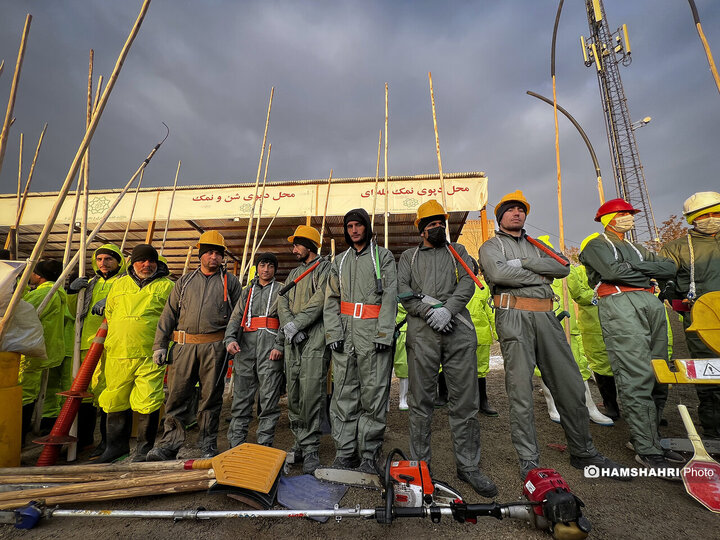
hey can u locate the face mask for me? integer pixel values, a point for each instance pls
(623, 223)
(709, 225)
(436, 236)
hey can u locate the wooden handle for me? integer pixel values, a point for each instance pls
(202, 464)
(97, 467)
(700, 452)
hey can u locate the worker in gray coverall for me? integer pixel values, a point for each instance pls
(520, 276)
(195, 317)
(254, 338)
(634, 327)
(306, 356)
(440, 332)
(360, 309)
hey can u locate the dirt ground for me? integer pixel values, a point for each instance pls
(643, 508)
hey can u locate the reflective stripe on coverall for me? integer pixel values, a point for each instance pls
(254, 371)
(132, 312)
(483, 318)
(634, 330)
(306, 364)
(60, 377)
(358, 409)
(530, 338)
(400, 359)
(706, 255)
(435, 272)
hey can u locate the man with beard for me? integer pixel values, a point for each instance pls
(256, 342)
(360, 309)
(306, 357)
(520, 276)
(435, 290)
(133, 381)
(195, 318)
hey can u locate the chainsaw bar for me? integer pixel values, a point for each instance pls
(680, 444)
(349, 477)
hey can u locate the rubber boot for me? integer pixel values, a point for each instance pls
(27, 414)
(100, 448)
(147, 429)
(87, 415)
(404, 384)
(606, 386)
(595, 415)
(118, 429)
(552, 410)
(485, 406)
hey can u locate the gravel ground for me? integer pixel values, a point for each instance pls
(643, 508)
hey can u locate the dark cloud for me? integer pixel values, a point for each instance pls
(206, 68)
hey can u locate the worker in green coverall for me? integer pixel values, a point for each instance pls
(108, 266)
(53, 322)
(483, 318)
(134, 382)
(435, 290)
(697, 271)
(359, 317)
(634, 326)
(400, 360)
(255, 340)
(306, 357)
(520, 276)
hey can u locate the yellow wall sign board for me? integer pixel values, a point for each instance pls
(215, 202)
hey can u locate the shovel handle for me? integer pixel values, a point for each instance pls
(198, 464)
(295, 281)
(700, 451)
(542, 247)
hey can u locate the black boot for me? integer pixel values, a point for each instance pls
(606, 385)
(87, 415)
(485, 406)
(118, 429)
(100, 448)
(147, 429)
(27, 413)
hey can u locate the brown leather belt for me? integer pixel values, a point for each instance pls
(181, 337)
(507, 301)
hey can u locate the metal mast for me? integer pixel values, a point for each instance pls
(605, 50)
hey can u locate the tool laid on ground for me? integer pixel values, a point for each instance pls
(701, 475)
(685, 445)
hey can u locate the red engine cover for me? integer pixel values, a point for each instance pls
(413, 472)
(539, 482)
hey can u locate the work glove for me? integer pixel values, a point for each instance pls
(233, 347)
(338, 345)
(381, 347)
(78, 284)
(438, 318)
(99, 307)
(448, 328)
(290, 330)
(516, 263)
(299, 338)
(160, 357)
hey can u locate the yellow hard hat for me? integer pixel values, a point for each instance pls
(514, 196)
(212, 238)
(428, 209)
(304, 231)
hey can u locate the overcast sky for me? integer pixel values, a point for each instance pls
(206, 69)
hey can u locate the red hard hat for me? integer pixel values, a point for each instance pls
(615, 205)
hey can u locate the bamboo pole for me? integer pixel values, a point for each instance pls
(132, 212)
(705, 44)
(19, 181)
(327, 198)
(71, 264)
(151, 227)
(13, 90)
(437, 143)
(387, 190)
(257, 181)
(67, 478)
(187, 260)
(2, 66)
(123, 466)
(377, 177)
(262, 200)
(172, 200)
(249, 263)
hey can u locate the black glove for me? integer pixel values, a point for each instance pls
(77, 285)
(99, 307)
(381, 347)
(338, 345)
(299, 337)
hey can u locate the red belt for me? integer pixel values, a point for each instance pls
(256, 323)
(360, 311)
(606, 289)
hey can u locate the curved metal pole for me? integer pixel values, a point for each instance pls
(585, 138)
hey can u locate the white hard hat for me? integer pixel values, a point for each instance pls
(699, 201)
